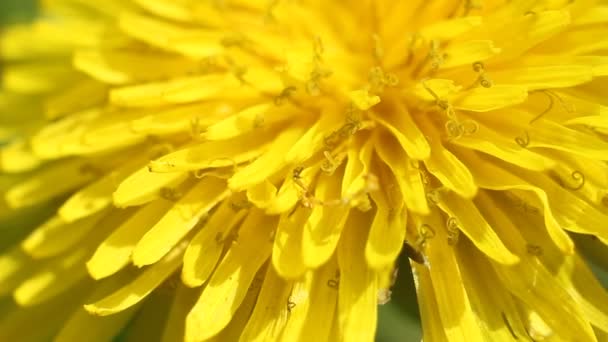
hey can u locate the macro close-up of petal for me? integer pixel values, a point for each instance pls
(276, 170)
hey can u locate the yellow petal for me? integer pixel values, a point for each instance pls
(34, 77)
(363, 100)
(172, 37)
(491, 302)
(315, 298)
(98, 195)
(66, 270)
(469, 52)
(400, 123)
(489, 176)
(48, 183)
(529, 31)
(432, 327)
(571, 212)
(358, 289)
(17, 157)
(387, 232)
(268, 163)
(176, 91)
(453, 303)
(144, 186)
(114, 253)
(271, 310)
(241, 317)
(290, 193)
(538, 289)
(148, 324)
(205, 249)
(314, 138)
(407, 176)
(262, 195)
(16, 324)
(476, 228)
(591, 121)
(447, 29)
(287, 248)
(138, 289)
(191, 118)
(179, 220)
(85, 94)
(357, 169)
(212, 154)
(448, 168)
(97, 329)
(15, 266)
(488, 141)
(183, 301)
(167, 9)
(486, 99)
(324, 226)
(48, 282)
(228, 285)
(596, 15)
(543, 77)
(56, 236)
(441, 87)
(123, 67)
(249, 119)
(549, 134)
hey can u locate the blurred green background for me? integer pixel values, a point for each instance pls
(398, 320)
(12, 11)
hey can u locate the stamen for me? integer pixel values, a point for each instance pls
(551, 102)
(578, 177)
(335, 282)
(331, 163)
(307, 200)
(202, 173)
(437, 58)
(551, 96)
(351, 126)
(290, 305)
(483, 78)
(535, 250)
(319, 72)
(170, 194)
(458, 130)
(524, 206)
(453, 231)
(443, 104)
(425, 233)
(279, 100)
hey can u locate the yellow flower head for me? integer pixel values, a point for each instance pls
(251, 169)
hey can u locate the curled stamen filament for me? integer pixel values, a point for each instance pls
(453, 231)
(578, 177)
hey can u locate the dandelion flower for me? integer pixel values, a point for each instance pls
(251, 169)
